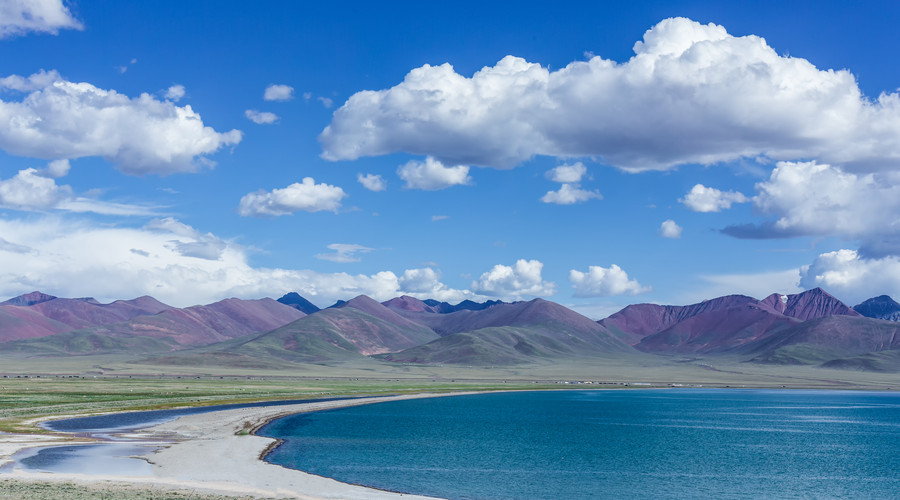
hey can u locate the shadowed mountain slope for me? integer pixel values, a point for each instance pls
(881, 307)
(826, 339)
(412, 304)
(28, 299)
(299, 303)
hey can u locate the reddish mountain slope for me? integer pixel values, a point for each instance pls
(811, 304)
(79, 313)
(23, 323)
(640, 320)
(216, 322)
(717, 331)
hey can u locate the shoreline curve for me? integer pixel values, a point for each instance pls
(219, 453)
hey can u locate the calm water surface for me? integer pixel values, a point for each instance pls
(609, 444)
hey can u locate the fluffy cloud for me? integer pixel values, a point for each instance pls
(569, 194)
(30, 191)
(818, 199)
(521, 279)
(692, 93)
(567, 174)
(344, 252)
(604, 282)
(853, 277)
(18, 17)
(57, 168)
(707, 199)
(432, 175)
(36, 191)
(306, 196)
(163, 259)
(372, 182)
(62, 119)
(425, 283)
(670, 229)
(278, 93)
(261, 117)
(175, 93)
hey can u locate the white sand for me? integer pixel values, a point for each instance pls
(212, 453)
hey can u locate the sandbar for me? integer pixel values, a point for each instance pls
(216, 453)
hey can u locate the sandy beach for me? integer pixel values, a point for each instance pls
(214, 453)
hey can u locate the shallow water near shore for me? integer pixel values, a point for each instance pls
(613, 444)
(115, 454)
(111, 459)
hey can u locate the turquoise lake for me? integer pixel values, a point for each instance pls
(678, 443)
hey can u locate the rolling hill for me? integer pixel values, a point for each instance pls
(809, 328)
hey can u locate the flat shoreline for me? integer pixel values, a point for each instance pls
(215, 453)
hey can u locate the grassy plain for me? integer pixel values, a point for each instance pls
(54, 490)
(38, 388)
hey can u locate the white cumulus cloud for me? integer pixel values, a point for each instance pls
(344, 252)
(692, 93)
(277, 92)
(261, 117)
(36, 190)
(432, 175)
(818, 199)
(670, 229)
(57, 168)
(18, 17)
(567, 174)
(605, 282)
(706, 199)
(174, 263)
(425, 283)
(372, 182)
(175, 93)
(28, 190)
(569, 194)
(142, 135)
(852, 277)
(521, 279)
(306, 196)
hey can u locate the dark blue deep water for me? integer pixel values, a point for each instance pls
(608, 444)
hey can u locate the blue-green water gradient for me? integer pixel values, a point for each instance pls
(608, 444)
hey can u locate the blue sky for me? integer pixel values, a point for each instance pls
(200, 150)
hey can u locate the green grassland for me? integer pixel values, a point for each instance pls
(39, 388)
(47, 490)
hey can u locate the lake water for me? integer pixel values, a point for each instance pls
(608, 444)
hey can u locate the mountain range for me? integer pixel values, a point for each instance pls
(809, 328)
